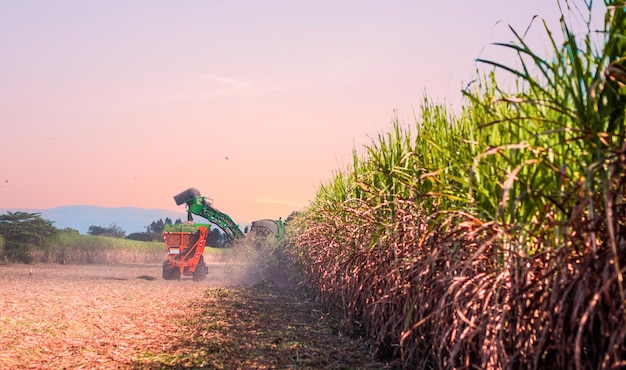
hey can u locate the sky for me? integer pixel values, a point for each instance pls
(255, 103)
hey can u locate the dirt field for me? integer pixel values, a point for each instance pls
(126, 316)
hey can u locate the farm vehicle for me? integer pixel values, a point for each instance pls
(185, 247)
(185, 243)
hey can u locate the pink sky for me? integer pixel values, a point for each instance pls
(127, 103)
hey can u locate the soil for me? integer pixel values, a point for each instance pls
(125, 316)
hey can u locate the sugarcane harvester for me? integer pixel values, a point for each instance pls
(185, 243)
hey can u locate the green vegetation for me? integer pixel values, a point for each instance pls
(190, 228)
(23, 233)
(76, 248)
(494, 238)
(112, 231)
(28, 238)
(154, 231)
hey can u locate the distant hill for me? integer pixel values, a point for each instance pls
(130, 219)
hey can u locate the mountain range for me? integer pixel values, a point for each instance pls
(81, 217)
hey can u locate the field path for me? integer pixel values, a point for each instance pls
(126, 316)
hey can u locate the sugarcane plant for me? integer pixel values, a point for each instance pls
(494, 237)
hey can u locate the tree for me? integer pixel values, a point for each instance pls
(215, 238)
(69, 230)
(24, 232)
(96, 230)
(155, 229)
(112, 231)
(142, 237)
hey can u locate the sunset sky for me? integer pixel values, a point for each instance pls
(255, 103)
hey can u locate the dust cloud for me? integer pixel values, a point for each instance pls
(254, 262)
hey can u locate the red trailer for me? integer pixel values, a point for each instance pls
(185, 245)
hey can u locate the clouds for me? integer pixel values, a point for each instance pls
(191, 89)
(223, 85)
(206, 87)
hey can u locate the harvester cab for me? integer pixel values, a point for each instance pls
(268, 228)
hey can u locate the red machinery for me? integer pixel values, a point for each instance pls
(185, 245)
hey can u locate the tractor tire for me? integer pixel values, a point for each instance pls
(201, 270)
(169, 272)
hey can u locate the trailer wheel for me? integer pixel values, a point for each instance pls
(169, 272)
(201, 270)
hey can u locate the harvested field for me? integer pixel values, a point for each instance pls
(125, 316)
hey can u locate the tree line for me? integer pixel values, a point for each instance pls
(153, 231)
(22, 233)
